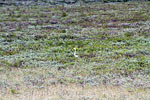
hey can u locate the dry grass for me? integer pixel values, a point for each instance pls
(21, 87)
(77, 92)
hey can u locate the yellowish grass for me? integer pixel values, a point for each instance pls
(57, 91)
(77, 92)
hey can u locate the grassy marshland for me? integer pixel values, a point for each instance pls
(112, 41)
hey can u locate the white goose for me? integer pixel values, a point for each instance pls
(75, 55)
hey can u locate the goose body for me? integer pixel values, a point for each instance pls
(75, 55)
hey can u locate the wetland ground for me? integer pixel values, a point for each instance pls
(112, 41)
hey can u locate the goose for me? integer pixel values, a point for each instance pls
(75, 55)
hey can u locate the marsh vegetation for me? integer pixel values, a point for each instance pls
(111, 40)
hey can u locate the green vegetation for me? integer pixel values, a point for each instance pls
(111, 39)
(100, 36)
